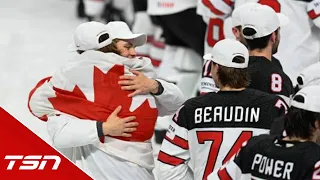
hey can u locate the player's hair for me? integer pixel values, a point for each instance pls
(238, 27)
(234, 77)
(258, 43)
(111, 47)
(300, 123)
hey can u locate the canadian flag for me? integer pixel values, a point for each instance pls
(92, 92)
(24, 155)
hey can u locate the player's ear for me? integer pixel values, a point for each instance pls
(214, 68)
(236, 32)
(273, 37)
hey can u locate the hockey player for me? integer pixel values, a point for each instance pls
(208, 130)
(296, 156)
(207, 83)
(78, 101)
(308, 77)
(261, 30)
(183, 32)
(304, 26)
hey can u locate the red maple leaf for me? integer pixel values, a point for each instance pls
(107, 96)
(39, 84)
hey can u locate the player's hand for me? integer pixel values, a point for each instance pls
(139, 83)
(116, 126)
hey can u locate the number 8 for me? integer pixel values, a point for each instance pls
(276, 83)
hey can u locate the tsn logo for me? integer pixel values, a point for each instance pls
(31, 162)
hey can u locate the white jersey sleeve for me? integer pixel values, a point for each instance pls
(174, 155)
(314, 12)
(170, 100)
(66, 131)
(207, 84)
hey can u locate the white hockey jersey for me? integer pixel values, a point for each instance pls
(113, 159)
(69, 129)
(208, 130)
(215, 8)
(165, 7)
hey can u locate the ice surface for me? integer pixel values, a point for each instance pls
(34, 39)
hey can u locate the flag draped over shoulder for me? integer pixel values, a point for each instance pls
(88, 89)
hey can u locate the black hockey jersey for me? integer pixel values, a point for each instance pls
(276, 62)
(208, 130)
(208, 85)
(277, 127)
(268, 77)
(269, 157)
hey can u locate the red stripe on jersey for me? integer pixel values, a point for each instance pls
(312, 14)
(150, 39)
(178, 141)
(155, 43)
(155, 62)
(176, 115)
(229, 2)
(101, 139)
(168, 159)
(211, 7)
(223, 174)
(158, 44)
